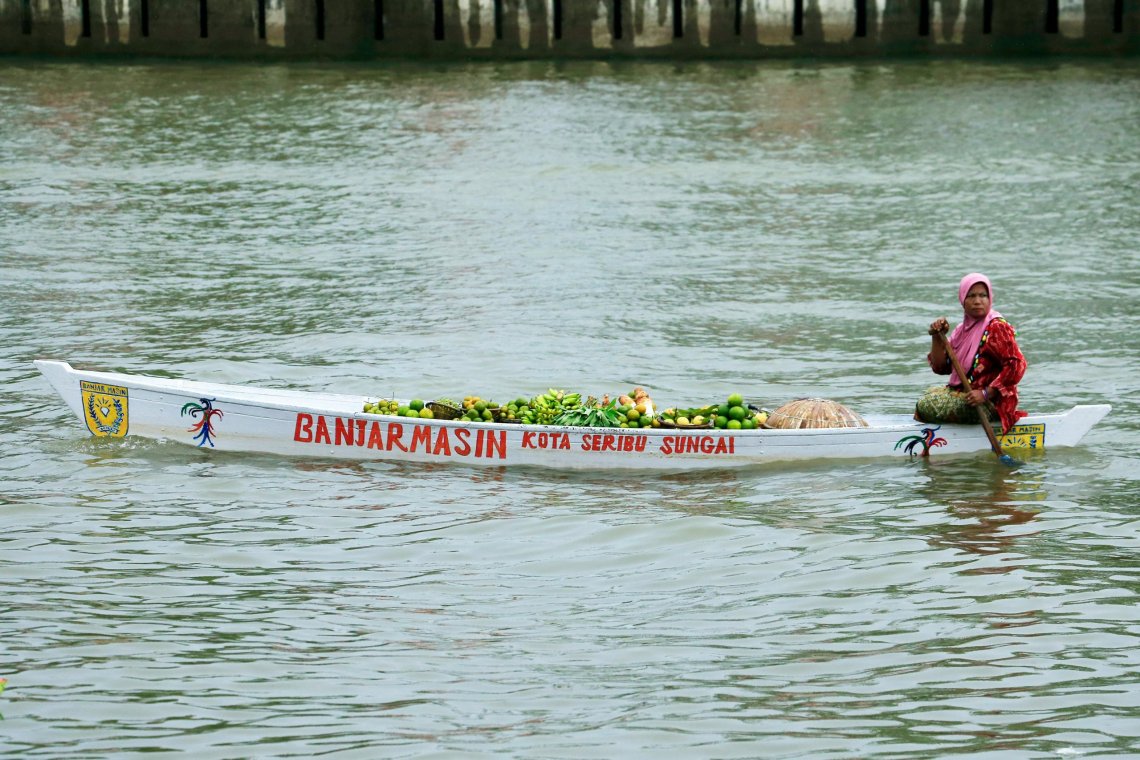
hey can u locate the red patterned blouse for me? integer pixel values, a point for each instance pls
(998, 366)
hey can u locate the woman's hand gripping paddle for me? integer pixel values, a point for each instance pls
(1004, 458)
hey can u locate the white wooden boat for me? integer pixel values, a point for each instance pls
(298, 423)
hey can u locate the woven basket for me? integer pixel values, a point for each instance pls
(499, 414)
(813, 413)
(666, 423)
(444, 411)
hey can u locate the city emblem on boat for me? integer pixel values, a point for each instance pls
(105, 409)
(1024, 437)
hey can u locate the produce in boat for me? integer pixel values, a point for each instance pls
(223, 417)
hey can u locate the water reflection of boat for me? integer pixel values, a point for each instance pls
(300, 423)
(988, 509)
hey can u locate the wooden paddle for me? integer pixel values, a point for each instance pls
(1004, 458)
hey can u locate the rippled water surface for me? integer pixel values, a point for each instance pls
(778, 230)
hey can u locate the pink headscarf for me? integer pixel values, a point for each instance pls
(966, 336)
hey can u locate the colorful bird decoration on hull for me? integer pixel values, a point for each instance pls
(203, 429)
(925, 438)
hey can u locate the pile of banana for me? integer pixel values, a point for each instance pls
(542, 409)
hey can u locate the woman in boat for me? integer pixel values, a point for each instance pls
(986, 347)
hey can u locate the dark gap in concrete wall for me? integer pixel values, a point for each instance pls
(26, 17)
(1052, 16)
(85, 17)
(924, 18)
(378, 20)
(144, 18)
(798, 18)
(987, 16)
(260, 19)
(498, 19)
(203, 19)
(738, 18)
(617, 19)
(437, 32)
(320, 14)
(860, 18)
(678, 19)
(1118, 17)
(557, 19)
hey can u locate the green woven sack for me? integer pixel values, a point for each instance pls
(940, 404)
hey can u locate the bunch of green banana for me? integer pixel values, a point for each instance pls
(545, 407)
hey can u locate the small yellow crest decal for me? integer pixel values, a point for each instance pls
(104, 409)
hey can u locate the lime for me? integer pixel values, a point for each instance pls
(720, 421)
(736, 400)
(633, 415)
(734, 425)
(416, 404)
(427, 414)
(748, 424)
(722, 410)
(737, 413)
(480, 406)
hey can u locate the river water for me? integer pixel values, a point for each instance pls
(780, 230)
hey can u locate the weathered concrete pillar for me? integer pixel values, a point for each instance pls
(409, 28)
(320, 28)
(899, 30)
(527, 27)
(450, 29)
(577, 27)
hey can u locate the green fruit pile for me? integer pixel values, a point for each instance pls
(696, 416)
(544, 408)
(477, 409)
(560, 407)
(416, 408)
(635, 416)
(383, 406)
(734, 415)
(515, 410)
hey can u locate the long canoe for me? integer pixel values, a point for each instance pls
(298, 423)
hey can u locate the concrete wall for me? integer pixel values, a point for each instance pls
(472, 29)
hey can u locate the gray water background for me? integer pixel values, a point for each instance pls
(780, 230)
